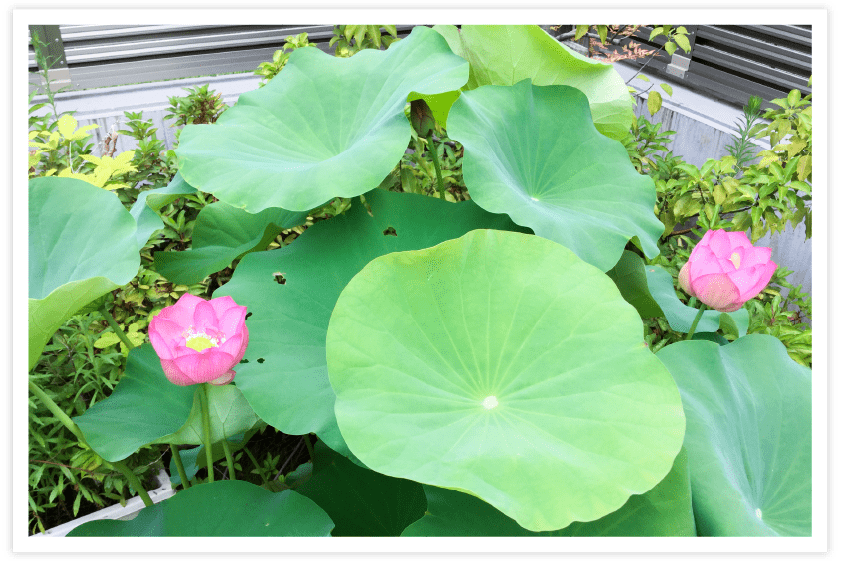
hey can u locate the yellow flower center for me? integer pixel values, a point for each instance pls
(199, 343)
(201, 340)
(735, 259)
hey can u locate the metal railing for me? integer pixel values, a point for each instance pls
(94, 56)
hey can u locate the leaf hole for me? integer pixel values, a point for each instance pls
(279, 278)
(248, 315)
(261, 360)
(244, 361)
(390, 231)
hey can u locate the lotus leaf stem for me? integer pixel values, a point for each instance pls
(229, 458)
(695, 323)
(115, 326)
(309, 446)
(176, 457)
(206, 436)
(434, 154)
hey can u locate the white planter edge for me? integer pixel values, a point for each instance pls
(117, 511)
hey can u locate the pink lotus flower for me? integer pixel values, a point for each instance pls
(725, 270)
(199, 340)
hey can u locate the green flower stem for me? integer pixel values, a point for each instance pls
(72, 427)
(695, 323)
(116, 327)
(434, 153)
(229, 458)
(206, 436)
(309, 446)
(185, 483)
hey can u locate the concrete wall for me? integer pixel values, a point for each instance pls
(704, 127)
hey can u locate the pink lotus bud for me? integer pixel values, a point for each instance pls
(199, 340)
(725, 270)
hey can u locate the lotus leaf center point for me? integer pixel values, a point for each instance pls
(490, 402)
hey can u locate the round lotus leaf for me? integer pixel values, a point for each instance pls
(502, 365)
(533, 153)
(324, 127)
(82, 245)
(502, 55)
(290, 293)
(224, 508)
(748, 435)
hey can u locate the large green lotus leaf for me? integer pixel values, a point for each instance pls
(680, 316)
(748, 435)
(229, 414)
(145, 209)
(666, 510)
(285, 378)
(533, 153)
(223, 233)
(630, 279)
(82, 245)
(326, 127)
(502, 55)
(223, 508)
(361, 502)
(502, 365)
(144, 407)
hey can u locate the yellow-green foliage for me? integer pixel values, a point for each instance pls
(790, 135)
(104, 168)
(350, 39)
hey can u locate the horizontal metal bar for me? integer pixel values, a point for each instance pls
(742, 65)
(715, 36)
(719, 82)
(788, 32)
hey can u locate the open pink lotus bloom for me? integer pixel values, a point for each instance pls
(725, 270)
(199, 340)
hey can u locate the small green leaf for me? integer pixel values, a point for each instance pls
(666, 88)
(602, 31)
(683, 43)
(719, 195)
(655, 101)
(670, 48)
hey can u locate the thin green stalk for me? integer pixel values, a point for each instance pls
(309, 446)
(206, 437)
(135, 482)
(695, 323)
(257, 465)
(185, 483)
(434, 153)
(72, 427)
(56, 410)
(229, 458)
(115, 326)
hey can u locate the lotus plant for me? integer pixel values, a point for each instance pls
(472, 368)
